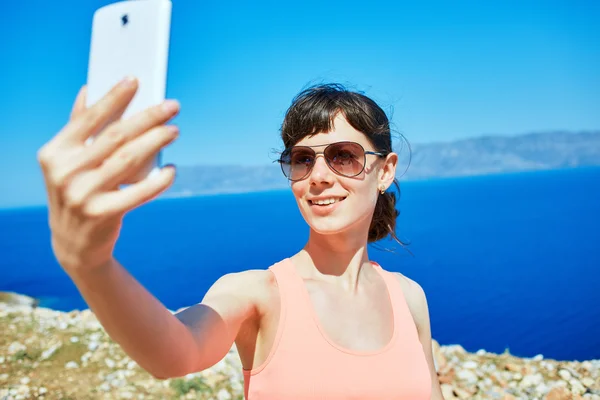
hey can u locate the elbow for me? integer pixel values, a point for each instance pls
(175, 369)
(160, 377)
(164, 375)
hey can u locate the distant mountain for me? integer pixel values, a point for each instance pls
(496, 154)
(474, 156)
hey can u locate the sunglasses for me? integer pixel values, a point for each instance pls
(344, 158)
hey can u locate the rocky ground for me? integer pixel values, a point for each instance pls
(48, 354)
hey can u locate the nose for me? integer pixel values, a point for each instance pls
(321, 173)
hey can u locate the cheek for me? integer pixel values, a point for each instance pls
(299, 189)
(365, 199)
(365, 204)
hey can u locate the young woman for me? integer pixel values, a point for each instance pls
(326, 322)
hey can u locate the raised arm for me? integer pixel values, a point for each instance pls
(86, 208)
(164, 344)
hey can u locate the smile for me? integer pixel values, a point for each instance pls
(326, 202)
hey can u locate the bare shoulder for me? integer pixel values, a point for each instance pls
(415, 298)
(249, 284)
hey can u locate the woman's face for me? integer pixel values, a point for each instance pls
(354, 198)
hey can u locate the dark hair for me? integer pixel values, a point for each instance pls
(314, 109)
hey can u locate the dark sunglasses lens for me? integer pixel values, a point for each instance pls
(346, 159)
(296, 164)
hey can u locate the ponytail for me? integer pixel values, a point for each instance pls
(384, 217)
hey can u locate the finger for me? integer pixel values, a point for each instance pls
(124, 200)
(48, 152)
(115, 136)
(92, 120)
(124, 131)
(130, 158)
(79, 106)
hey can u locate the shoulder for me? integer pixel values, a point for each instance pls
(256, 288)
(248, 283)
(415, 299)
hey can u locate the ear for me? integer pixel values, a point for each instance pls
(387, 173)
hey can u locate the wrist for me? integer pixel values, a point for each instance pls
(89, 268)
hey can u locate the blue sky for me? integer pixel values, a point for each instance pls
(448, 69)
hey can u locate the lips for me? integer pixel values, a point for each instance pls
(325, 201)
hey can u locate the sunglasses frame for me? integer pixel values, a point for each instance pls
(309, 170)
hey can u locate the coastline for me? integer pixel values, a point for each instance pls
(48, 354)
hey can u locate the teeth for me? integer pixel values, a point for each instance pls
(325, 201)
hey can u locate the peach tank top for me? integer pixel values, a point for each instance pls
(305, 364)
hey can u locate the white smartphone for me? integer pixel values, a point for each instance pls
(131, 38)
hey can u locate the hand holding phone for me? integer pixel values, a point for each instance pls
(131, 38)
(86, 202)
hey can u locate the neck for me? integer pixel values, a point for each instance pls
(338, 259)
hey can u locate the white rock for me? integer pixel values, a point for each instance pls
(517, 376)
(131, 365)
(542, 389)
(125, 395)
(3, 377)
(48, 353)
(85, 357)
(506, 376)
(25, 380)
(71, 365)
(223, 395)
(539, 357)
(105, 387)
(92, 346)
(2, 359)
(531, 380)
(42, 390)
(588, 382)
(15, 347)
(74, 339)
(93, 325)
(481, 352)
(467, 375)
(23, 390)
(109, 363)
(95, 337)
(470, 365)
(18, 301)
(560, 383)
(577, 387)
(564, 374)
(118, 383)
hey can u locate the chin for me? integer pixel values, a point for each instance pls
(334, 220)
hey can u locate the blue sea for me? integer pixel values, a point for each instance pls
(507, 261)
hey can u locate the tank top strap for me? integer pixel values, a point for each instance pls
(403, 319)
(292, 294)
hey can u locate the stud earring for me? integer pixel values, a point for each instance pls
(382, 190)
